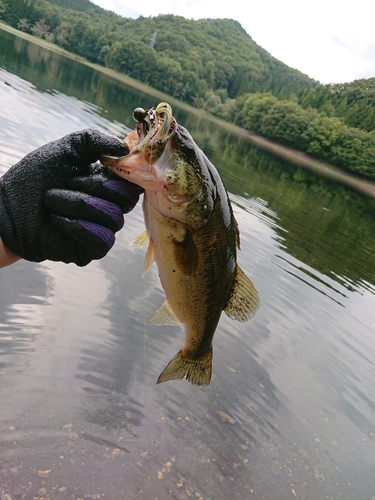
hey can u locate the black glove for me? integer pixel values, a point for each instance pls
(55, 205)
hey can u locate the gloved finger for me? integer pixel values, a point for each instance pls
(91, 143)
(82, 206)
(94, 241)
(104, 184)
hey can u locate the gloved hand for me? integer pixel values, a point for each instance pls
(55, 205)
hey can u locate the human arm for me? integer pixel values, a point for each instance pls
(7, 257)
(56, 204)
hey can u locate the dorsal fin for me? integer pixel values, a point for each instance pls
(243, 300)
(164, 316)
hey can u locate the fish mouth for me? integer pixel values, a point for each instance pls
(155, 126)
(145, 121)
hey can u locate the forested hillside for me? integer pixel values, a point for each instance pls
(215, 65)
(353, 102)
(181, 57)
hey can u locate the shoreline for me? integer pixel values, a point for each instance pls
(295, 157)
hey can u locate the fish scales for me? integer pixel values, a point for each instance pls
(191, 235)
(197, 285)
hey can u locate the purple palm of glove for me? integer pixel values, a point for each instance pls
(54, 204)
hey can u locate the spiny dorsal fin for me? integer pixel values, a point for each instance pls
(149, 258)
(164, 316)
(196, 371)
(243, 300)
(141, 240)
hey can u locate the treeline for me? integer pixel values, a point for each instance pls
(353, 102)
(294, 122)
(215, 65)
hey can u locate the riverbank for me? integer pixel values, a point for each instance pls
(296, 157)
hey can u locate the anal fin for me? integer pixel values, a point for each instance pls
(196, 371)
(243, 300)
(164, 316)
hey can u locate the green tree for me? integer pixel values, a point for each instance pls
(62, 34)
(50, 37)
(353, 102)
(255, 108)
(355, 151)
(40, 29)
(168, 76)
(23, 25)
(133, 58)
(285, 122)
(3, 9)
(321, 134)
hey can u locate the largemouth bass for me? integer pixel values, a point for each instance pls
(191, 234)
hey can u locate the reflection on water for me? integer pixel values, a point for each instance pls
(290, 412)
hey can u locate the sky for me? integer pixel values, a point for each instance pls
(332, 41)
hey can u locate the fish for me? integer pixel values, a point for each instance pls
(191, 234)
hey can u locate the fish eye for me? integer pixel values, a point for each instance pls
(139, 114)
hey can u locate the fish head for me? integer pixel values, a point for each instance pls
(168, 164)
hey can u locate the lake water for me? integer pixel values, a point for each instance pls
(81, 415)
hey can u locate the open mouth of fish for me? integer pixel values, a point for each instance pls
(153, 126)
(146, 119)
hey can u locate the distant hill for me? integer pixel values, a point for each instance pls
(184, 58)
(80, 5)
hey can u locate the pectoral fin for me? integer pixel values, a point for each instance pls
(243, 300)
(186, 254)
(164, 316)
(142, 240)
(149, 258)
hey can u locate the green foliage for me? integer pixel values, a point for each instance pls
(40, 29)
(325, 137)
(321, 133)
(2, 9)
(14, 10)
(79, 5)
(132, 57)
(255, 108)
(353, 102)
(285, 122)
(23, 25)
(168, 75)
(189, 58)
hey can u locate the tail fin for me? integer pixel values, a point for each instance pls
(196, 371)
